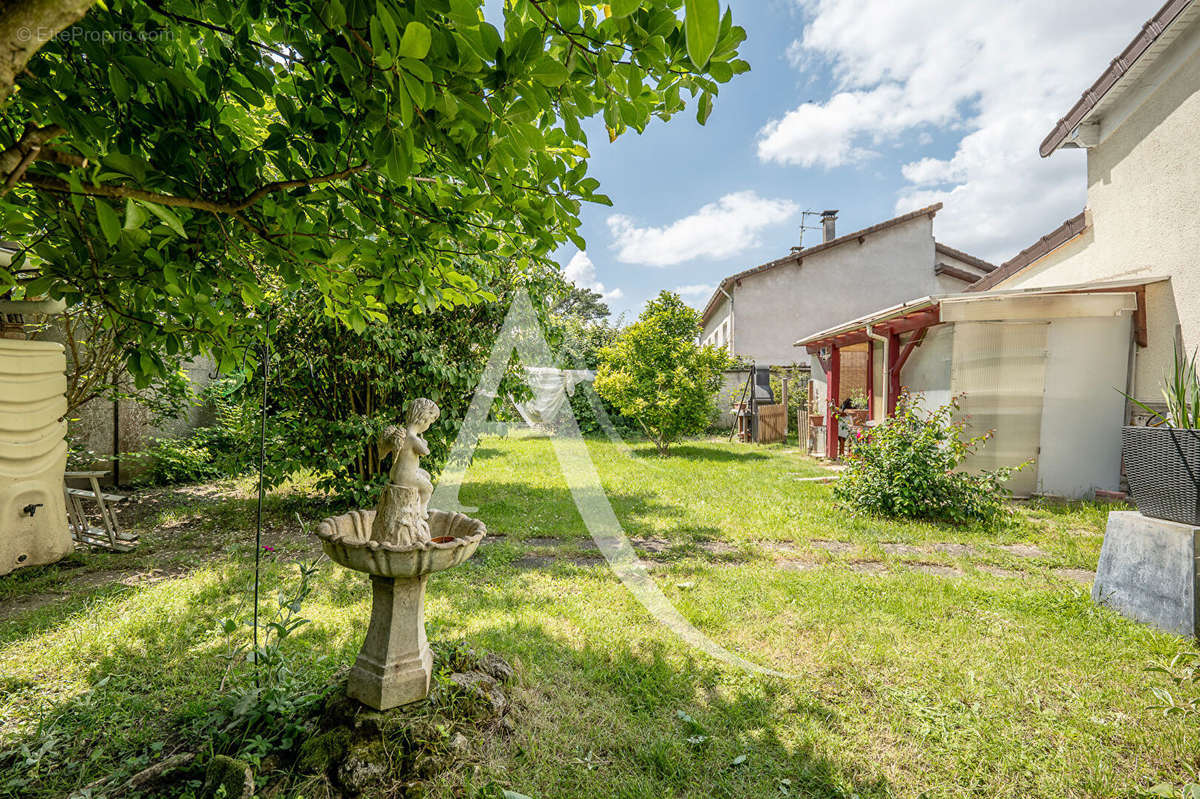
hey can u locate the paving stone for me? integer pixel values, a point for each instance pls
(1082, 576)
(543, 561)
(833, 546)
(950, 548)
(997, 571)
(895, 548)
(938, 570)
(719, 547)
(793, 565)
(869, 567)
(654, 546)
(1023, 550)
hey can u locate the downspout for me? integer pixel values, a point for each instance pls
(887, 378)
(732, 320)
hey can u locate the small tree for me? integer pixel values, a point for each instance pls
(657, 374)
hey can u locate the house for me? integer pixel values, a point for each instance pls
(1043, 369)
(1044, 348)
(1138, 123)
(757, 314)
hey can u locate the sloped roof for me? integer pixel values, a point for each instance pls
(966, 258)
(1147, 37)
(946, 270)
(800, 255)
(1043, 246)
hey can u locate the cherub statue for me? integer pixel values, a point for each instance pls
(402, 515)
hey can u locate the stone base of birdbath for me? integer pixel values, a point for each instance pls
(395, 663)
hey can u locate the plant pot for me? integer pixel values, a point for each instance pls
(1162, 465)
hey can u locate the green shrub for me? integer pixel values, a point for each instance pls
(176, 460)
(226, 448)
(908, 467)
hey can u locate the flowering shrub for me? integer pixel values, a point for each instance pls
(908, 467)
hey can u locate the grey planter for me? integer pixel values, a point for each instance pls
(1162, 465)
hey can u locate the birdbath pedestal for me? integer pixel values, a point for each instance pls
(395, 663)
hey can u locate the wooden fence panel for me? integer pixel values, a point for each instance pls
(772, 423)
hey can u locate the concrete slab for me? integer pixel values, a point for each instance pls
(1148, 571)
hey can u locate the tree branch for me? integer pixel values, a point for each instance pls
(197, 203)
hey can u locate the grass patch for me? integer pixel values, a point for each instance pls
(909, 684)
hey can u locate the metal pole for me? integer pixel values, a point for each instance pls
(265, 352)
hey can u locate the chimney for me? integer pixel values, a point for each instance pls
(829, 224)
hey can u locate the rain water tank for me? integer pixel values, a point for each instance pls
(33, 454)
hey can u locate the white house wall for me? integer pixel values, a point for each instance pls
(927, 369)
(1143, 201)
(717, 328)
(778, 306)
(1083, 407)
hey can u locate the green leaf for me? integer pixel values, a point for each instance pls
(702, 23)
(119, 85)
(134, 215)
(335, 14)
(568, 13)
(549, 72)
(623, 8)
(109, 223)
(416, 41)
(704, 108)
(168, 218)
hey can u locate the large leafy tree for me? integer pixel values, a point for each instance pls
(334, 389)
(184, 163)
(656, 374)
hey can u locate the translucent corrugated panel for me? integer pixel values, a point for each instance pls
(999, 368)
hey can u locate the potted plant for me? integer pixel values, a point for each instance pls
(1162, 459)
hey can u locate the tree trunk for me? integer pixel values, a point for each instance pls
(25, 25)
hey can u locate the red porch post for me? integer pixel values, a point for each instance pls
(833, 389)
(871, 380)
(893, 372)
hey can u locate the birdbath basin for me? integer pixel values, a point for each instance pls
(395, 663)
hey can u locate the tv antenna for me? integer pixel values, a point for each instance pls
(804, 215)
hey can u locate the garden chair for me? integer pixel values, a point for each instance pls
(110, 535)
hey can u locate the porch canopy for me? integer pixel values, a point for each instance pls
(900, 329)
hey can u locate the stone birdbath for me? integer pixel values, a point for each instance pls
(399, 544)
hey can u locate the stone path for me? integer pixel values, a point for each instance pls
(657, 552)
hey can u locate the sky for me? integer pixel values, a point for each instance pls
(871, 107)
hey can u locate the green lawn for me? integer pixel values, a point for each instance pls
(931, 661)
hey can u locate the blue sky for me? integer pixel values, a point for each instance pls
(873, 107)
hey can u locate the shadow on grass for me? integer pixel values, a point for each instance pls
(552, 511)
(659, 724)
(695, 453)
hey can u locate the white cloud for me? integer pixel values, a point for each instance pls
(717, 230)
(998, 75)
(695, 294)
(582, 272)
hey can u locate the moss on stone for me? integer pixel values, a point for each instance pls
(227, 778)
(322, 750)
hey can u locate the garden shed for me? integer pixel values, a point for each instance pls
(1044, 369)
